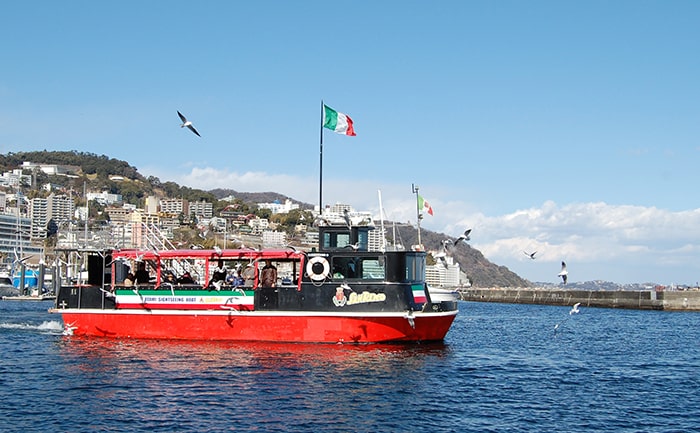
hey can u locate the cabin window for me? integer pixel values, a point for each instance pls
(373, 269)
(366, 268)
(362, 240)
(335, 240)
(415, 268)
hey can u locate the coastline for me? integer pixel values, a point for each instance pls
(681, 300)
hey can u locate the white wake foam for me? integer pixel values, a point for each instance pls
(50, 327)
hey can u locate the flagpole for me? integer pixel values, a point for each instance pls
(320, 167)
(418, 215)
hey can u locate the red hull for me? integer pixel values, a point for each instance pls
(260, 326)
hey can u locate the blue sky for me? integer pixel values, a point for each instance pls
(567, 127)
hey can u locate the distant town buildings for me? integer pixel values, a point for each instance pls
(124, 225)
(201, 209)
(104, 198)
(277, 207)
(439, 275)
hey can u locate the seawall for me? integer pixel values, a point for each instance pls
(637, 299)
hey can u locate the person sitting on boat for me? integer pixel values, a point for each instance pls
(234, 279)
(142, 275)
(268, 275)
(185, 278)
(218, 277)
(129, 279)
(170, 278)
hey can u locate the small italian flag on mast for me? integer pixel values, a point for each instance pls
(338, 122)
(422, 204)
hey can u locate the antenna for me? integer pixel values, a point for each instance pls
(381, 219)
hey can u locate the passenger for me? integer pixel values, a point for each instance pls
(170, 278)
(230, 278)
(219, 276)
(268, 275)
(234, 279)
(249, 275)
(237, 279)
(129, 279)
(185, 278)
(142, 275)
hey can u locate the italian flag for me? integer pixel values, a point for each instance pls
(338, 122)
(422, 204)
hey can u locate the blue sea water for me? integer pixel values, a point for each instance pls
(502, 368)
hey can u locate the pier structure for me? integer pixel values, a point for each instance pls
(681, 300)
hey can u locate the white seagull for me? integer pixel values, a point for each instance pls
(564, 273)
(187, 123)
(574, 309)
(465, 237)
(531, 255)
(346, 216)
(441, 257)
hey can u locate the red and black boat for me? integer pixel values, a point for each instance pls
(340, 292)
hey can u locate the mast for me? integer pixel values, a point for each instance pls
(419, 216)
(87, 212)
(320, 167)
(381, 219)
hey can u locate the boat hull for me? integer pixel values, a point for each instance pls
(234, 325)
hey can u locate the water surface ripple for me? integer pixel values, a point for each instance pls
(502, 368)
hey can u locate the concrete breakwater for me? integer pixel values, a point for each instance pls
(634, 299)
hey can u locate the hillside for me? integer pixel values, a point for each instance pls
(480, 271)
(97, 172)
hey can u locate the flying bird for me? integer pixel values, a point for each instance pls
(187, 123)
(465, 237)
(574, 309)
(441, 257)
(531, 255)
(564, 273)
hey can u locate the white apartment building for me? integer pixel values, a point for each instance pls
(15, 178)
(58, 207)
(174, 206)
(274, 238)
(438, 275)
(277, 207)
(201, 209)
(15, 238)
(104, 198)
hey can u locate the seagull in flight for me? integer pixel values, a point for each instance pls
(574, 309)
(564, 273)
(465, 237)
(441, 257)
(531, 255)
(187, 123)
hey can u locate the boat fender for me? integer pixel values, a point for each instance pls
(318, 268)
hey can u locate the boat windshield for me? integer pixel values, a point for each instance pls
(415, 268)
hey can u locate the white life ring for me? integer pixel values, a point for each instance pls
(313, 271)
